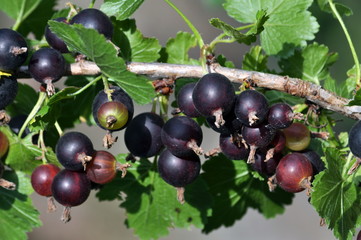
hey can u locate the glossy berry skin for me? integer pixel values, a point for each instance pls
(4, 144)
(115, 111)
(266, 168)
(185, 101)
(70, 148)
(8, 90)
(280, 115)
(176, 171)
(47, 65)
(251, 107)
(142, 136)
(118, 95)
(10, 44)
(317, 164)
(178, 132)
(354, 139)
(231, 125)
(95, 19)
(298, 137)
(102, 169)
(231, 149)
(292, 170)
(278, 142)
(70, 188)
(213, 92)
(259, 136)
(42, 179)
(53, 40)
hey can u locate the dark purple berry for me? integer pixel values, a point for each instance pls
(182, 136)
(185, 101)
(232, 149)
(251, 107)
(13, 50)
(266, 168)
(8, 90)
(214, 95)
(257, 137)
(280, 115)
(354, 139)
(46, 66)
(74, 150)
(176, 171)
(53, 40)
(95, 19)
(70, 188)
(142, 136)
(317, 164)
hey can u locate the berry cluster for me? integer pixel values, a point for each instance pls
(267, 136)
(83, 166)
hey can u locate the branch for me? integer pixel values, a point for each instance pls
(293, 86)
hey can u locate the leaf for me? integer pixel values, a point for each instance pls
(235, 190)
(121, 9)
(151, 204)
(19, 9)
(94, 45)
(310, 64)
(177, 49)
(133, 45)
(289, 25)
(335, 197)
(341, 8)
(254, 60)
(221, 59)
(62, 94)
(246, 38)
(23, 154)
(81, 104)
(232, 32)
(17, 213)
(24, 101)
(38, 19)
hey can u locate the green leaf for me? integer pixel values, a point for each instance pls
(255, 60)
(289, 24)
(235, 190)
(151, 204)
(350, 85)
(336, 197)
(177, 49)
(17, 213)
(232, 32)
(38, 19)
(221, 59)
(94, 45)
(133, 45)
(121, 9)
(310, 64)
(246, 38)
(341, 8)
(19, 9)
(24, 101)
(23, 154)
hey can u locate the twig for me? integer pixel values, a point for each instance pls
(294, 86)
